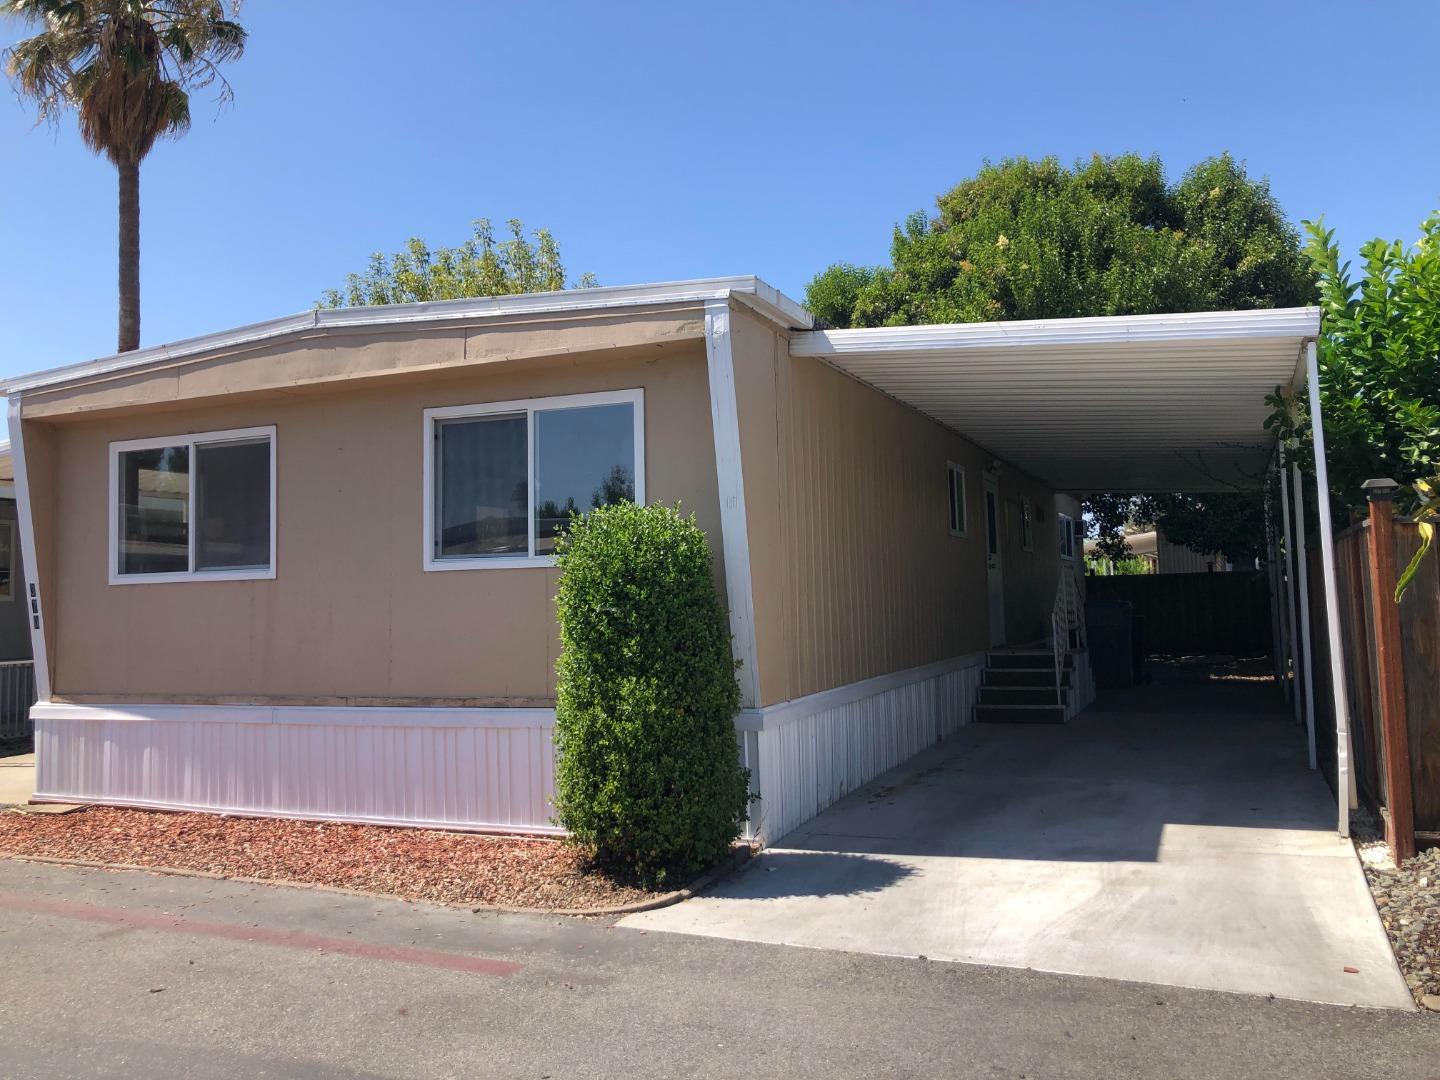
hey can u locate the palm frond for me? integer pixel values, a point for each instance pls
(126, 68)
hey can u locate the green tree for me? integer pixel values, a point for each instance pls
(127, 68)
(1034, 240)
(1379, 362)
(481, 266)
(1231, 522)
(1111, 236)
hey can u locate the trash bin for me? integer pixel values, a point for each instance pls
(1110, 634)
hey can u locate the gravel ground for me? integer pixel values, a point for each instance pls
(413, 864)
(1408, 899)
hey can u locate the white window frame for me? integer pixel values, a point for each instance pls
(190, 441)
(528, 406)
(952, 470)
(1067, 537)
(1027, 523)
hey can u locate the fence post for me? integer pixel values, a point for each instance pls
(1394, 727)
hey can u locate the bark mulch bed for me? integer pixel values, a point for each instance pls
(413, 864)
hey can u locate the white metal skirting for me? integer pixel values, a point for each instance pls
(474, 769)
(807, 754)
(1082, 691)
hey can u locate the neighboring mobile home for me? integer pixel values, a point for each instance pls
(1161, 555)
(17, 672)
(303, 568)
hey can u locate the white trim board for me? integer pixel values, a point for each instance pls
(23, 512)
(337, 715)
(730, 482)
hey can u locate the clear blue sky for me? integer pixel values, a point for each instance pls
(662, 141)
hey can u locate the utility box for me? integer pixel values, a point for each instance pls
(1110, 632)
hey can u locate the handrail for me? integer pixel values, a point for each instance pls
(1065, 617)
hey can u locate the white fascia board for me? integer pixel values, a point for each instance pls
(1297, 323)
(763, 298)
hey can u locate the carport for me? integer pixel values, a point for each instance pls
(1174, 834)
(1135, 404)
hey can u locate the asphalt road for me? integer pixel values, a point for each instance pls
(136, 975)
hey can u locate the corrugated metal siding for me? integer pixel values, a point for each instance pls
(874, 582)
(813, 759)
(468, 775)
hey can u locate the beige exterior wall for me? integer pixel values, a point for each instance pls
(1030, 575)
(855, 571)
(351, 615)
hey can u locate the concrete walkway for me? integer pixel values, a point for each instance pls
(17, 779)
(1169, 835)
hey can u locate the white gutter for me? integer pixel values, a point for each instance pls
(749, 290)
(1257, 324)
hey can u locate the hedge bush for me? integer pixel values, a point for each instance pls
(648, 773)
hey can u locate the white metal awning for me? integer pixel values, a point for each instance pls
(1133, 403)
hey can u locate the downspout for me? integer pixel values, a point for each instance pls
(1343, 778)
(34, 614)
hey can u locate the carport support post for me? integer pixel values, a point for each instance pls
(1290, 590)
(1389, 664)
(1304, 585)
(1343, 780)
(1272, 574)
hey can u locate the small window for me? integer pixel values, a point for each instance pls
(955, 482)
(1027, 524)
(193, 507)
(1067, 535)
(7, 560)
(503, 480)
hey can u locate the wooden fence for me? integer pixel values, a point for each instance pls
(1420, 641)
(1193, 614)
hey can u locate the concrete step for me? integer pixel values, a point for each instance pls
(1021, 695)
(1023, 677)
(1019, 714)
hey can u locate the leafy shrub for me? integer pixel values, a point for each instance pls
(648, 773)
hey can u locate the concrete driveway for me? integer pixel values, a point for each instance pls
(17, 778)
(1171, 834)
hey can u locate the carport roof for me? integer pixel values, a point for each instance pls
(1132, 403)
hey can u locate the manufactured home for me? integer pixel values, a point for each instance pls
(303, 567)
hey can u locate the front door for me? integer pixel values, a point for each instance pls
(994, 572)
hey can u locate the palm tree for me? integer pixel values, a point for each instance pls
(128, 68)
